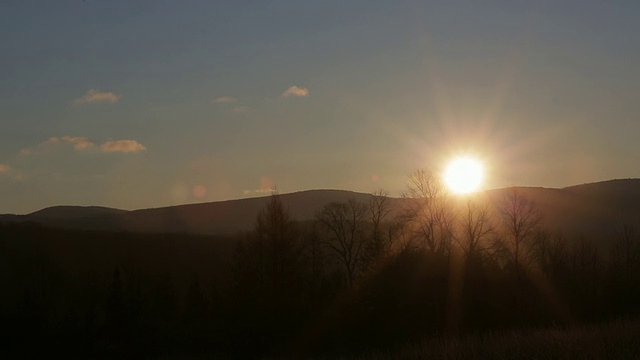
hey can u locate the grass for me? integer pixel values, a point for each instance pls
(614, 340)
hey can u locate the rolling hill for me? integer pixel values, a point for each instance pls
(595, 209)
(222, 217)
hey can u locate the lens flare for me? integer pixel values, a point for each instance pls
(464, 175)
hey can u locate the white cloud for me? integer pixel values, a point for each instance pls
(93, 96)
(225, 100)
(123, 146)
(295, 91)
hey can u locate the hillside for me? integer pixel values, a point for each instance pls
(222, 217)
(593, 210)
(66, 212)
(583, 210)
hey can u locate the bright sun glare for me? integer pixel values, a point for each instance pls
(464, 175)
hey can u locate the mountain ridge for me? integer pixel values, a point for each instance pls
(590, 208)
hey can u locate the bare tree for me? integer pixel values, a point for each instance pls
(520, 218)
(269, 258)
(585, 266)
(345, 224)
(475, 227)
(378, 210)
(625, 254)
(428, 213)
(550, 252)
(314, 258)
(277, 231)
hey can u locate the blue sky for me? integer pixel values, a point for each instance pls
(136, 104)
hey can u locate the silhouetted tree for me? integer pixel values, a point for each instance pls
(269, 259)
(551, 253)
(475, 227)
(269, 279)
(277, 237)
(314, 258)
(380, 240)
(345, 224)
(428, 214)
(625, 253)
(623, 282)
(520, 218)
(585, 282)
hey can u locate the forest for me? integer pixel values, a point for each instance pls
(361, 278)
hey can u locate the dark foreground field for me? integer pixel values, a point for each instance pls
(614, 340)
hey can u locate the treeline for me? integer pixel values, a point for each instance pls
(360, 277)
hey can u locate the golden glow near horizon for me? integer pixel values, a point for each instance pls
(464, 175)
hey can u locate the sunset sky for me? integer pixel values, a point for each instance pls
(136, 104)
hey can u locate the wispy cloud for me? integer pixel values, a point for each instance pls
(83, 144)
(122, 146)
(79, 144)
(225, 100)
(93, 96)
(8, 171)
(240, 109)
(295, 91)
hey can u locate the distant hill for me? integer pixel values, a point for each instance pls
(222, 217)
(597, 209)
(62, 212)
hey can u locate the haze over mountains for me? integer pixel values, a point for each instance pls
(583, 210)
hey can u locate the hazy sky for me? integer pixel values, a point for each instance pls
(136, 104)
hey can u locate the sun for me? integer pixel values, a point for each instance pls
(464, 175)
